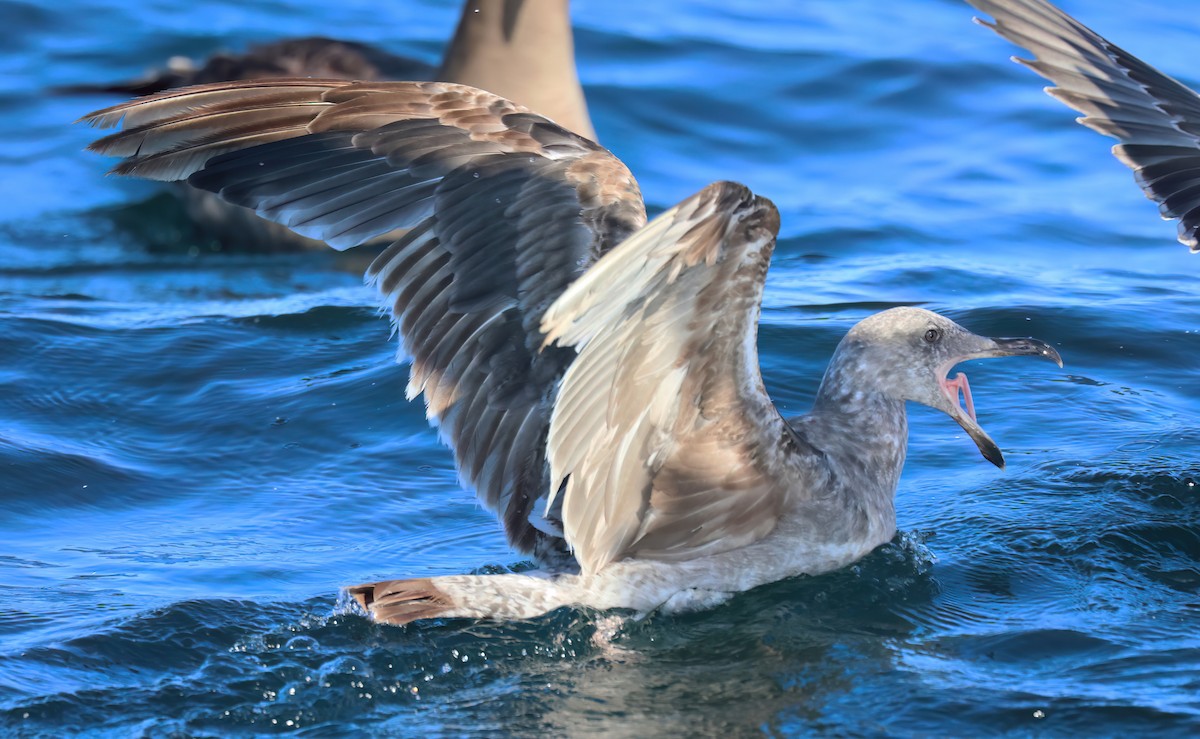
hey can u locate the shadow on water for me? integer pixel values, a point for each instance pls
(159, 226)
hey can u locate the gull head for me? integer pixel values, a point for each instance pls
(907, 354)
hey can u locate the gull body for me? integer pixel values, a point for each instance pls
(596, 373)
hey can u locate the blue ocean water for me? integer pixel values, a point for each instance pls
(198, 448)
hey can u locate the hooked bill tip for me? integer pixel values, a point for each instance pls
(992, 453)
(1052, 354)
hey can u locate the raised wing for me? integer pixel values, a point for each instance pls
(1156, 119)
(504, 210)
(662, 428)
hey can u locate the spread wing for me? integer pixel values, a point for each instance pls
(503, 208)
(662, 430)
(1156, 119)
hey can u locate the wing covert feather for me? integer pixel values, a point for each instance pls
(657, 430)
(502, 210)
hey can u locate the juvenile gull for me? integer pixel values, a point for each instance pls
(522, 50)
(596, 375)
(1156, 118)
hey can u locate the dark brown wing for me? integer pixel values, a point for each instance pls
(1156, 119)
(505, 209)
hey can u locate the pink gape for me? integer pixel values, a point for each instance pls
(957, 386)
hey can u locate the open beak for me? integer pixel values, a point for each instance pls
(964, 412)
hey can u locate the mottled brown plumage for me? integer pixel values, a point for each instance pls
(596, 375)
(505, 210)
(522, 50)
(690, 487)
(1156, 118)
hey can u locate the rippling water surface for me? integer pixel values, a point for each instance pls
(197, 448)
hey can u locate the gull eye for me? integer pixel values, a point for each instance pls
(933, 335)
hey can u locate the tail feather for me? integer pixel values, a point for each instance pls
(505, 596)
(400, 602)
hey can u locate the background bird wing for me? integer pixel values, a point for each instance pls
(663, 435)
(1156, 118)
(313, 56)
(503, 208)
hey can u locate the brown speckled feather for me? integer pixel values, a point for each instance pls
(400, 602)
(524, 53)
(659, 424)
(505, 210)
(1156, 118)
(596, 375)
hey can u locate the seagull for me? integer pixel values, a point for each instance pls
(1155, 118)
(596, 374)
(522, 50)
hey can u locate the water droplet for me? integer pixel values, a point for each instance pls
(1039, 714)
(445, 668)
